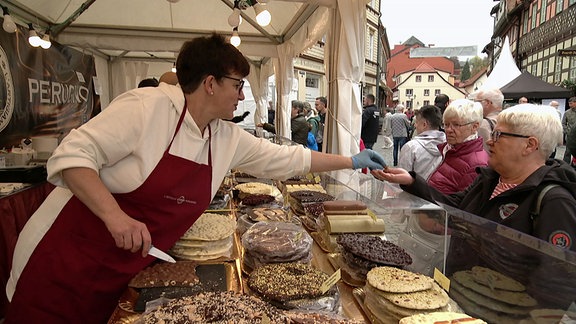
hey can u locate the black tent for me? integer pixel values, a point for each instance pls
(529, 86)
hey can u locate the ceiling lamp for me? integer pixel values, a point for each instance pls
(235, 39)
(8, 24)
(174, 67)
(234, 20)
(46, 43)
(33, 37)
(263, 16)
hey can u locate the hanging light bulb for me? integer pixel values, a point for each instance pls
(46, 43)
(8, 23)
(235, 39)
(263, 16)
(174, 67)
(33, 37)
(234, 19)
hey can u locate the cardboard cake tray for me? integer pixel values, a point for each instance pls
(210, 275)
(359, 295)
(335, 259)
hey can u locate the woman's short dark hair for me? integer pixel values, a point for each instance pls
(205, 56)
(431, 114)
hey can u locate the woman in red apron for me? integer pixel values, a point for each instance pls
(79, 256)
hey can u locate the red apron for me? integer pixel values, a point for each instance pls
(76, 274)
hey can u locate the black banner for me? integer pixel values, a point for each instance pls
(43, 92)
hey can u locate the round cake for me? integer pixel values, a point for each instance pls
(375, 249)
(287, 281)
(274, 242)
(211, 227)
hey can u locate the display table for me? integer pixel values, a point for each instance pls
(15, 210)
(350, 308)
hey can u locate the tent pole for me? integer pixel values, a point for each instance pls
(57, 29)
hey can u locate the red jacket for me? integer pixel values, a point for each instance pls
(458, 169)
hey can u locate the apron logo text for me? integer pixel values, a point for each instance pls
(180, 200)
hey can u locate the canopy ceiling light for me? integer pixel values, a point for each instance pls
(46, 43)
(33, 37)
(263, 16)
(235, 39)
(8, 24)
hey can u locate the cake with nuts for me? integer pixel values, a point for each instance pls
(216, 307)
(292, 285)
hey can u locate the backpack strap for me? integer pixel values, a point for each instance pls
(536, 211)
(491, 123)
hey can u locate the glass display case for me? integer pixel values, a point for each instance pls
(495, 273)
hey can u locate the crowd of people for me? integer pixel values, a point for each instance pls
(493, 162)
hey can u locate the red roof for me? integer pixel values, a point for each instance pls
(400, 62)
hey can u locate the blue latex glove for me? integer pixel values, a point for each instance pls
(368, 159)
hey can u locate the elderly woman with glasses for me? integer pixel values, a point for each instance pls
(141, 173)
(463, 151)
(507, 191)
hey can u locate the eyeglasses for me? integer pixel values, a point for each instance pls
(238, 86)
(496, 135)
(455, 126)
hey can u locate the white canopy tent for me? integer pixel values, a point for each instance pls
(504, 71)
(124, 35)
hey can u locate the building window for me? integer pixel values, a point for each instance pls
(371, 46)
(572, 68)
(426, 102)
(558, 68)
(311, 82)
(560, 5)
(408, 92)
(430, 78)
(544, 69)
(534, 14)
(571, 2)
(436, 92)
(426, 92)
(418, 78)
(543, 12)
(525, 24)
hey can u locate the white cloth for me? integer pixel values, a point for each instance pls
(421, 154)
(125, 142)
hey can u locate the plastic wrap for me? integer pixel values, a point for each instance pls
(273, 242)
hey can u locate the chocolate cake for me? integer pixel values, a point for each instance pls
(166, 274)
(373, 248)
(257, 199)
(287, 281)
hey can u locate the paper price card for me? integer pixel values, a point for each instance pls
(441, 279)
(334, 278)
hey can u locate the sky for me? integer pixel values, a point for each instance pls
(444, 23)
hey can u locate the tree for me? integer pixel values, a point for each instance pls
(569, 84)
(478, 64)
(465, 75)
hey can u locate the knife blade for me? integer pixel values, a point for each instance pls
(155, 252)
